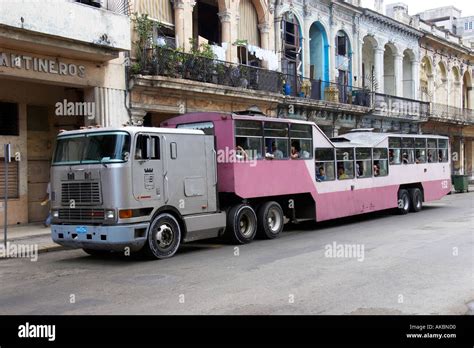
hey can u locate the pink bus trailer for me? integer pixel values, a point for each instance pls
(271, 168)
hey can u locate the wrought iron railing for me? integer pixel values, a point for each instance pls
(398, 107)
(171, 63)
(298, 86)
(117, 6)
(452, 113)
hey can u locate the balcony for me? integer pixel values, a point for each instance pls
(446, 113)
(175, 64)
(319, 90)
(400, 108)
(77, 29)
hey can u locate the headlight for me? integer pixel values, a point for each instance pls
(110, 214)
(55, 213)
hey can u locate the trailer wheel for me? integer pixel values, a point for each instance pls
(403, 202)
(416, 198)
(241, 224)
(270, 220)
(164, 237)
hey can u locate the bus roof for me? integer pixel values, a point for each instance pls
(133, 130)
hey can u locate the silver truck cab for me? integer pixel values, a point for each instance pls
(134, 188)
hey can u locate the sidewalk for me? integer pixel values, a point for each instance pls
(31, 234)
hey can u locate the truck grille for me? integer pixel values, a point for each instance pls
(83, 193)
(81, 214)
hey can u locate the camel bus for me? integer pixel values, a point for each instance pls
(206, 175)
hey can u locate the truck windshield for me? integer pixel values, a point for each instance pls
(90, 148)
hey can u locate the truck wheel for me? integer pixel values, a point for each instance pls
(270, 220)
(416, 198)
(403, 202)
(164, 237)
(241, 224)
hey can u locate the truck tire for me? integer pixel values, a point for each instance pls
(241, 224)
(270, 220)
(164, 237)
(416, 198)
(404, 202)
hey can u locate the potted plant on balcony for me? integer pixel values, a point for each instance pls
(143, 45)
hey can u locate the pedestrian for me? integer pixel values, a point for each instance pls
(47, 198)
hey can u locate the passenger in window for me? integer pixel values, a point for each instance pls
(278, 154)
(341, 174)
(295, 150)
(321, 176)
(405, 158)
(376, 169)
(440, 155)
(240, 154)
(430, 157)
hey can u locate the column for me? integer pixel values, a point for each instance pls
(226, 17)
(264, 39)
(183, 19)
(378, 68)
(415, 75)
(277, 39)
(398, 72)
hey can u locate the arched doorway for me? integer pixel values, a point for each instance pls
(370, 79)
(408, 78)
(441, 92)
(426, 80)
(319, 52)
(467, 94)
(455, 88)
(389, 79)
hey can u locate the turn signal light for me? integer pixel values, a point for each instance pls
(125, 213)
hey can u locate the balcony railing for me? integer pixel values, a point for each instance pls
(451, 113)
(172, 63)
(117, 6)
(398, 107)
(298, 86)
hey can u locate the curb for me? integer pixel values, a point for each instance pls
(51, 248)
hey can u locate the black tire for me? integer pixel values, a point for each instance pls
(416, 198)
(95, 252)
(164, 237)
(241, 224)
(270, 220)
(404, 202)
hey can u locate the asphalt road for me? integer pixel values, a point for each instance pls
(420, 263)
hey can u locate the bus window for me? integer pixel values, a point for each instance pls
(420, 150)
(276, 140)
(443, 150)
(302, 134)
(380, 162)
(408, 150)
(395, 155)
(345, 163)
(147, 147)
(364, 162)
(324, 161)
(248, 137)
(432, 150)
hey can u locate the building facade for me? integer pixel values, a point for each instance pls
(61, 67)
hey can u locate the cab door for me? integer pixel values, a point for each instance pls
(147, 169)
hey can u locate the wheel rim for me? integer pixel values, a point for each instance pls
(246, 225)
(274, 219)
(164, 236)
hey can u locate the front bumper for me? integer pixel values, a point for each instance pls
(115, 238)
